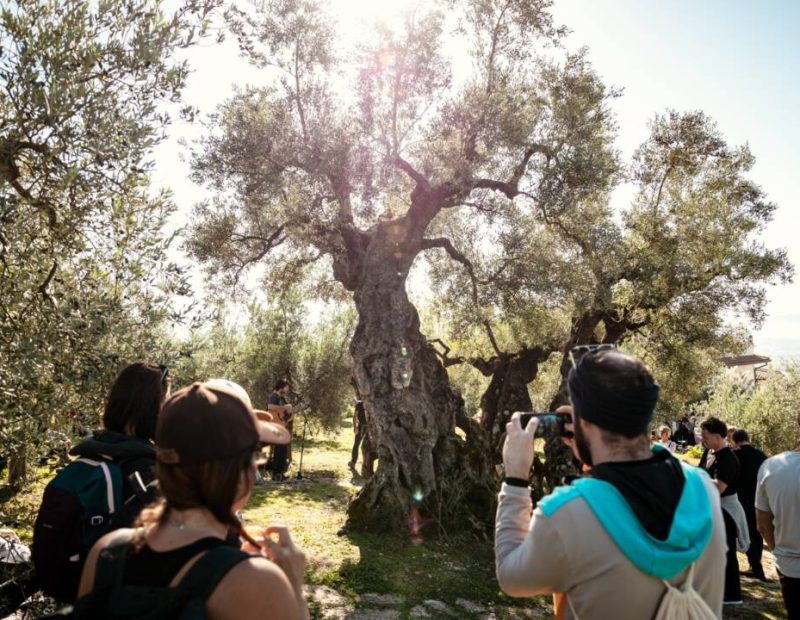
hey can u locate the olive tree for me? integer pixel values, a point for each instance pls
(351, 158)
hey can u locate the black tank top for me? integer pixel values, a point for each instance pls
(146, 567)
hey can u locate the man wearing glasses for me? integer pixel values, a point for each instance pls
(637, 526)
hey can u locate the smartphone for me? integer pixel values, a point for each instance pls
(551, 424)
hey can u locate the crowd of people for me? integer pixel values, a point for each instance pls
(639, 520)
(175, 470)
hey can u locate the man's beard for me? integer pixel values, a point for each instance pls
(582, 444)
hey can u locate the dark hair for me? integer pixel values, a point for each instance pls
(280, 384)
(615, 370)
(612, 372)
(135, 399)
(715, 426)
(214, 485)
(740, 435)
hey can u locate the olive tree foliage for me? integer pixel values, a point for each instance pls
(657, 276)
(276, 341)
(71, 322)
(353, 157)
(768, 413)
(85, 281)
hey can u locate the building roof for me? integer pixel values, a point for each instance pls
(745, 360)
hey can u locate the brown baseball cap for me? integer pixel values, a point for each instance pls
(209, 421)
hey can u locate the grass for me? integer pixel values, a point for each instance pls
(440, 567)
(443, 568)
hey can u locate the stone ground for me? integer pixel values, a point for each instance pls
(328, 604)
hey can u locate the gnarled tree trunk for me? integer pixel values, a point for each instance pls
(412, 412)
(508, 392)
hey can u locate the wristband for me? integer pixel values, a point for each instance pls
(516, 482)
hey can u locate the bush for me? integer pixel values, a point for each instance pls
(694, 452)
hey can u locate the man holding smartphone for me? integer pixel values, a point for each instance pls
(636, 527)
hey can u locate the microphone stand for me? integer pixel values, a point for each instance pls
(299, 475)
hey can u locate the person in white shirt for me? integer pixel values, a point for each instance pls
(778, 520)
(664, 434)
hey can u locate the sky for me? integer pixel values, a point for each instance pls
(737, 60)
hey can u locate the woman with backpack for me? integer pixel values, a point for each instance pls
(111, 481)
(186, 560)
(129, 429)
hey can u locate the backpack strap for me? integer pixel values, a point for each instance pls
(110, 566)
(202, 578)
(204, 575)
(688, 582)
(112, 497)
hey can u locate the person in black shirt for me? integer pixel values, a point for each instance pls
(750, 459)
(359, 429)
(723, 467)
(283, 413)
(683, 436)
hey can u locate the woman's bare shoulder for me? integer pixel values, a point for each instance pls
(252, 589)
(87, 576)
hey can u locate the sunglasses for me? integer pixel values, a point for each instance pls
(577, 353)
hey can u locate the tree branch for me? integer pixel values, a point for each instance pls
(41, 205)
(43, 286)
(490, 334)
(485, 367)
(267, 245)
(657, 200)
(445, 244)
(417, 177)
(511, 187)
(447, 361)
(551, 221)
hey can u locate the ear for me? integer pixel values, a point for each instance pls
(589, 429)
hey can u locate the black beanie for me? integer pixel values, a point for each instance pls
(621, 411)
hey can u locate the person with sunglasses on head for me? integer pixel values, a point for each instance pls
(190, 551)
(638, 536)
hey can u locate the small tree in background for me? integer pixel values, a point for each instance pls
(768, 413)
(272, 341)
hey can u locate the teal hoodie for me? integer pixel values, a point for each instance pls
(691, 529)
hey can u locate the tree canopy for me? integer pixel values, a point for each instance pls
(86, 283)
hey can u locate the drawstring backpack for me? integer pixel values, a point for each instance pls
(678, 603)
(683, 603)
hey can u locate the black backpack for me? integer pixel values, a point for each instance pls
(82, 503)
(113, 599)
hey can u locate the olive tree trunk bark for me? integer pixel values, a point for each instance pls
(508, 392)
(425, 471)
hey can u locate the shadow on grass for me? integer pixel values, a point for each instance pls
(317, 443)
(312, 487)
(459, 566)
